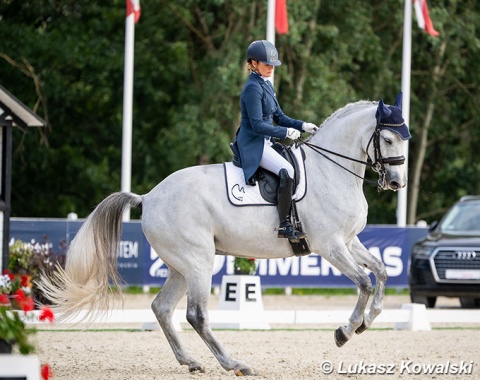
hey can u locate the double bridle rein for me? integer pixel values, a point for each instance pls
(377, 165)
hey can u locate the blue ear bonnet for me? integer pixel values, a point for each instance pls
(390, 117)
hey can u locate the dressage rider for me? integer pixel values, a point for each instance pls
(253, 147)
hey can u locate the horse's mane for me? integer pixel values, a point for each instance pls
(347, 110)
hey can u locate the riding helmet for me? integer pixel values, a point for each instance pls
(263, 51)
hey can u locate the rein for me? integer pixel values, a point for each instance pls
(377, 166)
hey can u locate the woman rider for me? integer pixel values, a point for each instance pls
(253, 147)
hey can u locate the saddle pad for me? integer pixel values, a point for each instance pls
(241, 194)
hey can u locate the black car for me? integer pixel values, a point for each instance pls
(447, 261)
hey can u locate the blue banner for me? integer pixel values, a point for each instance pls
(56, 232)
(139, 264)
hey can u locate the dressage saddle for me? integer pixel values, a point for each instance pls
(267, 181)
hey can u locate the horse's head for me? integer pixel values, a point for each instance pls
(383, 142)
(389, 141)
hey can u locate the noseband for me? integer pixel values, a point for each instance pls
(377, 165)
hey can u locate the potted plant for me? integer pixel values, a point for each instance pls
(13, 332)
(15, 303)
(243, 265)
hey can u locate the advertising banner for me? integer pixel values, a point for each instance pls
(390, 244)
(139, 264)
(56, 234)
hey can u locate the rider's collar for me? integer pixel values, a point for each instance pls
(264, 78)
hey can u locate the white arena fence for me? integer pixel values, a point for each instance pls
(412, 317)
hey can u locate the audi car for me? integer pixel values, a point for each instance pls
(446, 262)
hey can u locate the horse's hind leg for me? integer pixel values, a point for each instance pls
(163, 307)
(365, 259)
(199, 285)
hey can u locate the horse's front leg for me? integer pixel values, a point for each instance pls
(365, 259)
(341, 259)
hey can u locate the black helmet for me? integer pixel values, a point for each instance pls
(263, 51)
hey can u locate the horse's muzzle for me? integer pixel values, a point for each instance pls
(395, 184)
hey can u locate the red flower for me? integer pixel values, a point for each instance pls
(46, 314)
(4, 299)
(27, 304)
(24, 281)
(45, 372)
(19, 295)
(7, 273)
(251, 259)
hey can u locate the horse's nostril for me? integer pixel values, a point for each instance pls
(394, 185)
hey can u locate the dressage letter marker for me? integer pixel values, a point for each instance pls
(241, 305)
(250, 289)
(231, 291)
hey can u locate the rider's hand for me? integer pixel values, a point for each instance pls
(292, 133)
(309, 127)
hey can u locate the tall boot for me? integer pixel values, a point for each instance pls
(284, 205)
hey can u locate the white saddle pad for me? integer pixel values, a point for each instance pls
(241, 194)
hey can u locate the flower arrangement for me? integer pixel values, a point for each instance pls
(243, 265)
(15, 303)
(33, 259)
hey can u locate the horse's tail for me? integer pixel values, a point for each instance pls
(91, 264)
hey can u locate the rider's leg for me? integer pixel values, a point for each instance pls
(284, 205)
(274, 162)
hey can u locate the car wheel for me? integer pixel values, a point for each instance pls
(424, 300)
(470, 302)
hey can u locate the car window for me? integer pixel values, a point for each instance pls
(463, 217)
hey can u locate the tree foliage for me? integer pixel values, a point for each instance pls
(64, 59)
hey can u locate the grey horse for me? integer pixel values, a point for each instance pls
(188, 219)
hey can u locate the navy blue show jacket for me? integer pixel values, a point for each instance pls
(260, 109)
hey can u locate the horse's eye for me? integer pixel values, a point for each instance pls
(388, 141)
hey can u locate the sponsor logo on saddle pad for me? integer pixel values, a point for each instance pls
(241, 194)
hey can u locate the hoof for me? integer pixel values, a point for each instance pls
(340, 337)
(244, 371)
(361, 328)
(193, 368)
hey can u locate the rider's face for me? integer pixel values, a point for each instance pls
(263, 69)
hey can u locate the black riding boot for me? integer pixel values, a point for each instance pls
(284, 205)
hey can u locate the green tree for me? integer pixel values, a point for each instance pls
(445, 100)
(64, 59)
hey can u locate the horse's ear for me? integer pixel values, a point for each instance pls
(399, 100)
(382, 110)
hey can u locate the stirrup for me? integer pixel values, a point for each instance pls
(300, 234)
(288, 232)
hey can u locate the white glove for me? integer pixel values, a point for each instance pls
(293, 133)
(309, 127)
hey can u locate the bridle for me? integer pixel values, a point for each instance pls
(377, 165)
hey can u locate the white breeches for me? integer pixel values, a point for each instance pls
(274, 162)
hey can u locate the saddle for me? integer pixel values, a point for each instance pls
(268, 182)
(263, 185)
